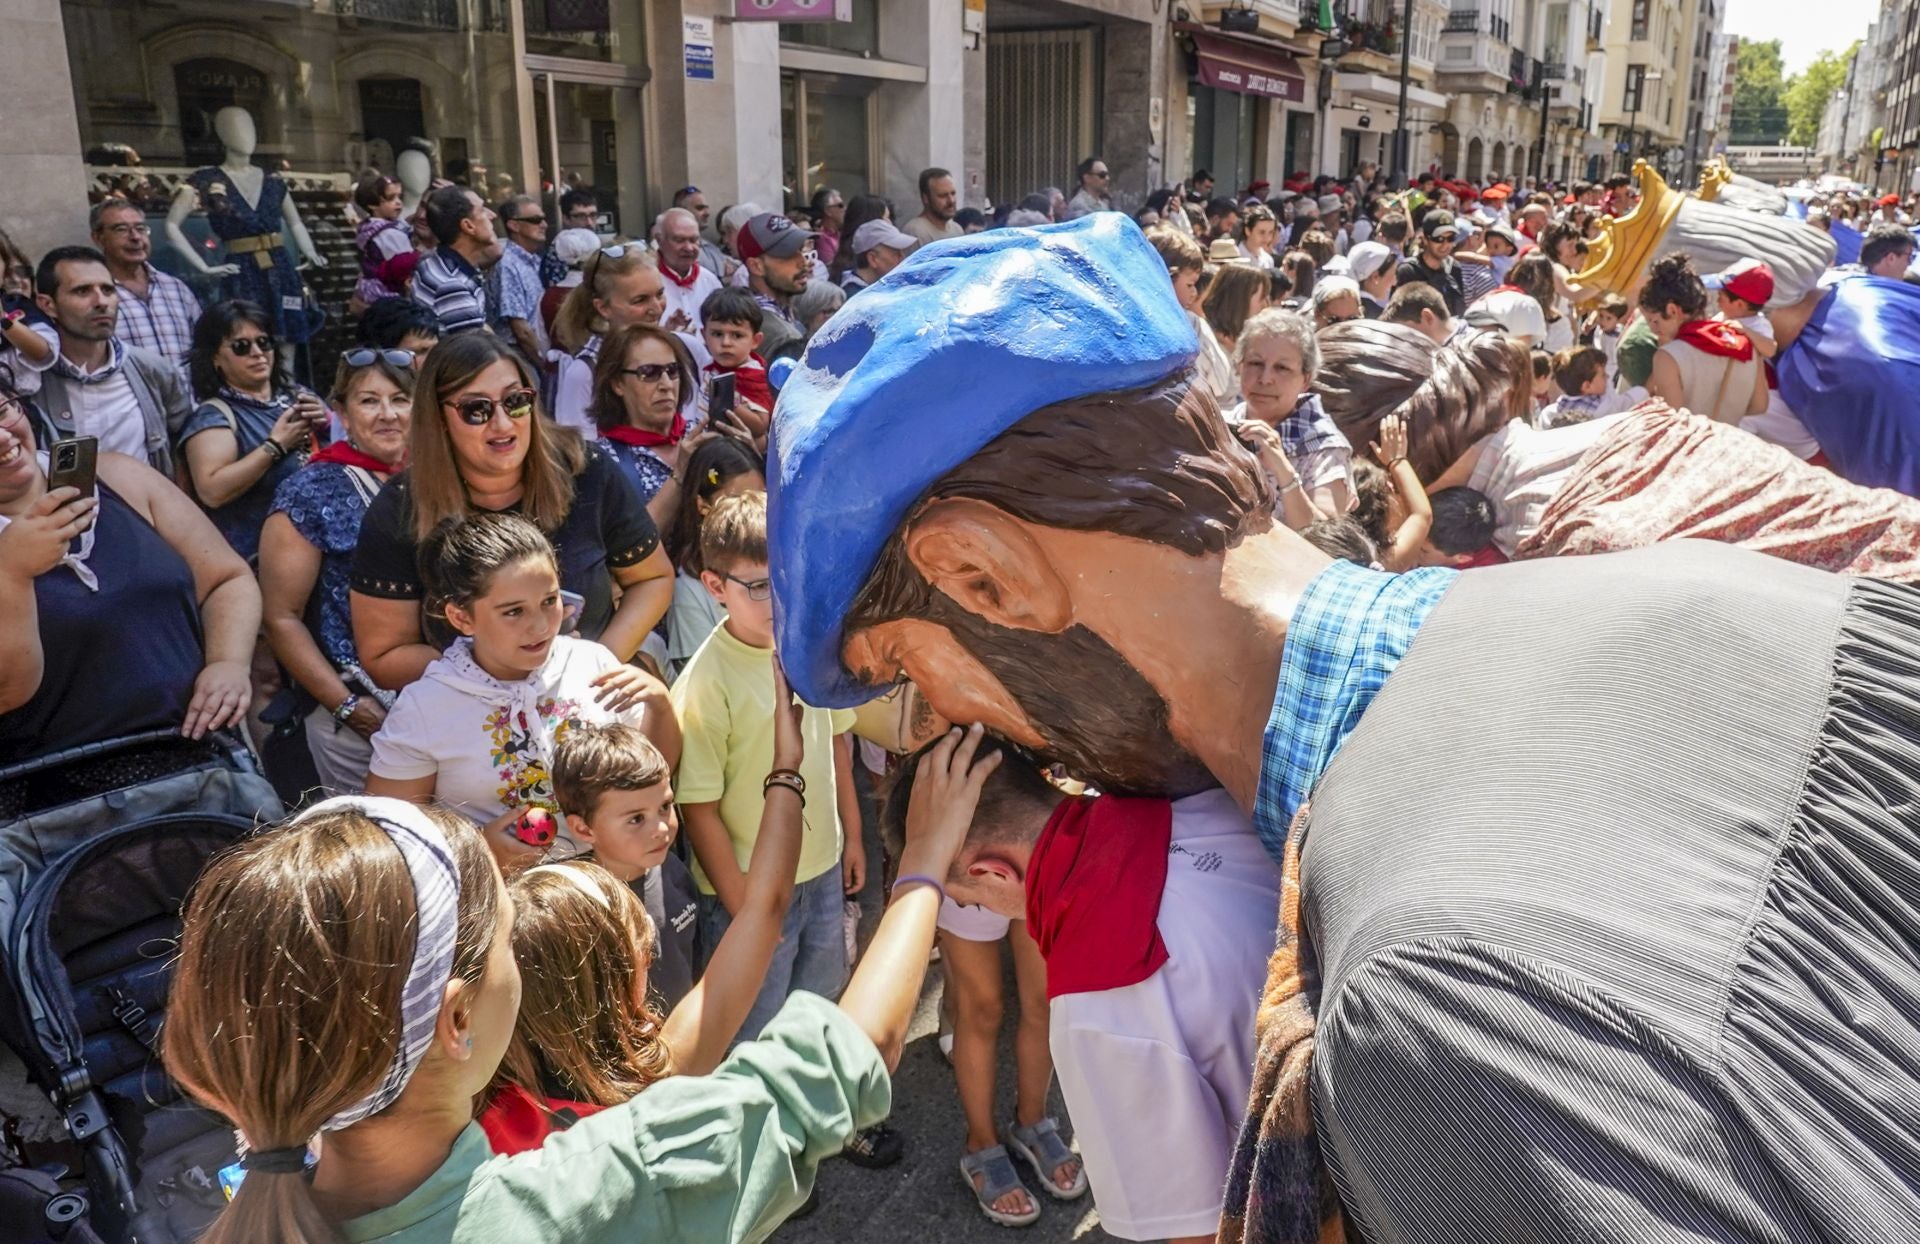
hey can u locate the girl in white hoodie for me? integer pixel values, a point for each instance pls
(477, 731)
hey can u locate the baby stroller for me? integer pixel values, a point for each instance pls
(90, 896)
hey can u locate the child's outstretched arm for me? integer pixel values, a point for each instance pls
(1391, 451)
(709, 1017)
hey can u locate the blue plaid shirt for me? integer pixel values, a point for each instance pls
(1350, 629)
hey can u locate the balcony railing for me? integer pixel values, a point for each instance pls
(431, 14)
(1463, 22)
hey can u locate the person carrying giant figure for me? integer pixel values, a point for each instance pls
(1628, 958)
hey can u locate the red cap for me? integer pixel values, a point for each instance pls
(1889, 200)
(1499, 190)
(1749, 279)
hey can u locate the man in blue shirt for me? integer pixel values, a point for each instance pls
(449, 279)
(1600, 903)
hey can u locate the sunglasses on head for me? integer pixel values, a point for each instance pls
(651, 372)
(365, 355)
(243, 346)
(478, 412)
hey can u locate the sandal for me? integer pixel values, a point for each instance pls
(997, 1178)
(1042, 1149)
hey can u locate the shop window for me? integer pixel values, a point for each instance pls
(392, 116)
(860, 36)
(826, 133)
(205, 86)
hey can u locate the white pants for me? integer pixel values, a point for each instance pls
(340, 755)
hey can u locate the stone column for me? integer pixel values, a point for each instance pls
(921, 123)
(40, 154)
(721, 135)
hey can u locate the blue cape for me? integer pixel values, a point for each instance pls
(1853, 377)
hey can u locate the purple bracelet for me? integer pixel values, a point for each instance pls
(923, 879)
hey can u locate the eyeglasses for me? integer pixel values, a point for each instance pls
(365, 355)
(478, 412)
(243, 346)
(651, 372)
(1099, 172)
(129, 229)
(528, 220)
(757, 589)
(11, 408)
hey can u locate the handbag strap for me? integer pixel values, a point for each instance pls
(363, 483)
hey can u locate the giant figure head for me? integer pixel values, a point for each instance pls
(994, 473)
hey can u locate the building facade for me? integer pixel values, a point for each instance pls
(1649, 82)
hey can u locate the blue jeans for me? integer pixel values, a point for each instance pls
(812, 954)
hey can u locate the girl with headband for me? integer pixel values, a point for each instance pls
(350, 974)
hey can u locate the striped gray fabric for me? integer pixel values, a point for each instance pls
(436, 894)
(1617, 915)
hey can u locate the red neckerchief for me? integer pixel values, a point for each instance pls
(1507, 289)
(1093, 892)
(1718, 338)
(347, 455)
(646, 438)
(515, 1121)
(684, 282)
(749, 380)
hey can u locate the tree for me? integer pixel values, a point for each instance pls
(1759, 88)
(1809, 92)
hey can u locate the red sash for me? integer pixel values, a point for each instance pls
(1093, 892)
(347, 455)
(646, 438)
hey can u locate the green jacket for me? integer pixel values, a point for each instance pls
(713, 1159)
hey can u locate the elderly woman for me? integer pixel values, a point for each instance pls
(1277, 358)
(253, 425)
(1703, 365)
(1336, 300)
(478, 442)
(306, 561)
(120, 612)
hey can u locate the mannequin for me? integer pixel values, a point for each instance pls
(414, 168)
(246, 207)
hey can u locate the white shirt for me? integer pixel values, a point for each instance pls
(108, 409)
(488, 744)
(1156, 1075)
(1521, 469)
(690, 299)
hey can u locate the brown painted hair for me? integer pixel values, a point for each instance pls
(1450, 395)
(285, 1005)
(578, 957)
(1156, 464)
(554, 454)
(605, 408)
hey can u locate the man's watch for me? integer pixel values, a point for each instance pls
(346, 708)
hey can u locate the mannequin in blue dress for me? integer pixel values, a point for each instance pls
(247, 208)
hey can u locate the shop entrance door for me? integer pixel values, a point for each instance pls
(587, 126)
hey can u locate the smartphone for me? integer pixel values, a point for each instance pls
(720, 398)
(572, 604)
(73, 463)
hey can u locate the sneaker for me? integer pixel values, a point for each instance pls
(946, 1047)
(876, 1147)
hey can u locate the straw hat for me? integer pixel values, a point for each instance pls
(1224, 250)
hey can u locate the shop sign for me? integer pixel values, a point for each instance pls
(792, 10)
(697, 35)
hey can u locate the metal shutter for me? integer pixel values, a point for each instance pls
(1041, 115)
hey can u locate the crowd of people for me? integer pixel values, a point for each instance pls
(497, 601)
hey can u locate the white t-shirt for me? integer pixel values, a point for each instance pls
(1156, 1075)
(488, 744)
(690, 299)
(1521, 468)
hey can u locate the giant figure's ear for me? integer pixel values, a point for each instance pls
(986, 561)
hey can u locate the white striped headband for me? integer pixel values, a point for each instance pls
(436, 901)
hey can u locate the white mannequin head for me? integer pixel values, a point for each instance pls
(415, 170)
(234, 126)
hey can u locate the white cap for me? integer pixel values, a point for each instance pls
(1367, 258)
(881, 233)
(572, 246)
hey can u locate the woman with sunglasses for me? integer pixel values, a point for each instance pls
(306, 561)
(478, 443)
(253, 425)
(642, 385)
(619, 285)
(120, 612)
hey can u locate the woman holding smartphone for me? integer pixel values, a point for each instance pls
(121, 608)
(478, 443)
(253, 427)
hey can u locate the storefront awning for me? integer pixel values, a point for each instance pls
(1248, 68)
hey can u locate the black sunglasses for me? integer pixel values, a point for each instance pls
(651, 372)
(528, 220)
(365, 355)
(243, 346)
(478, 412)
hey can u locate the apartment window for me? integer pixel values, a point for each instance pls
(1636, 87)
(1639, 19)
